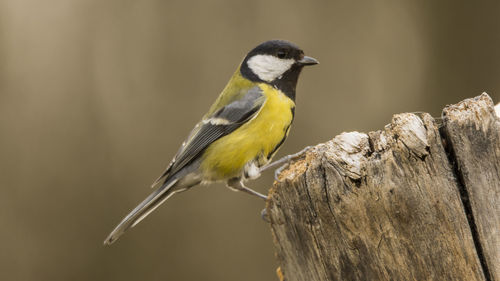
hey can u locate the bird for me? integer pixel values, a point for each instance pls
(241, 132)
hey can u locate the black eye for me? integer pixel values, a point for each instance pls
(281, 54)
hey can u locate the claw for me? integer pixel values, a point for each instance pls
(285, 161)
(264, 215)
(278, 171)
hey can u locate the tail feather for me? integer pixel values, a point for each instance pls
(153, 201)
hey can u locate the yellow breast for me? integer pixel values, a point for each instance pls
(255, 140)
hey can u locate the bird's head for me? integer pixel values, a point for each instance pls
(273, 60)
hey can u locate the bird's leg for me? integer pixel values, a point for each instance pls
(284, 162)
(236, 184)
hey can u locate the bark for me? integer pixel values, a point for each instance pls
(409, 202)
(473, 133)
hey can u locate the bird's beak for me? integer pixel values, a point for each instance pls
(308, 61)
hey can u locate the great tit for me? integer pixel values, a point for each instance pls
(241, 132)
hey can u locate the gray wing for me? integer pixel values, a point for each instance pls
(221, 123)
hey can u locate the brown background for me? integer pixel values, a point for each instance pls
(96, 96)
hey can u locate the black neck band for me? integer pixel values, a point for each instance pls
(286, 83)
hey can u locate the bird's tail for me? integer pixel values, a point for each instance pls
(147, 206)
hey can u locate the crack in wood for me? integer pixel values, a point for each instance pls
(386, 205)
(450, 152)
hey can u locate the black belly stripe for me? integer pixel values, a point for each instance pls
(271, 154)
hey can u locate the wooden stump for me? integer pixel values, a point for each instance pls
(410, 202)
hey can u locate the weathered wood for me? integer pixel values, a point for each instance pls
(386, 206)
(473, 131)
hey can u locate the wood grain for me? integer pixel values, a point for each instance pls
(473, 132)
(387, 205)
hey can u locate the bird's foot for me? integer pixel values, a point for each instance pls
(284, 162)
(237, 185)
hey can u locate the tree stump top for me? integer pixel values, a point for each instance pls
(388, 205)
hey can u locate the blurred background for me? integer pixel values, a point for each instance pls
(96, 97)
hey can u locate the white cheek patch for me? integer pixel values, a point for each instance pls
(268, 67)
